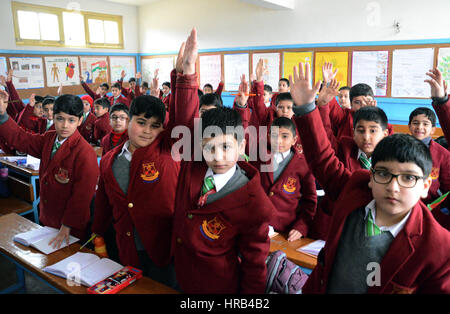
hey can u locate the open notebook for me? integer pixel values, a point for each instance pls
(39, 239)
(85, 268)
(312, 248)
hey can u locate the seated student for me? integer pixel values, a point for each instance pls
(86, 127)
(290, 183)
(102, 126)
(344, 97)
(102, 90)
(422, 124)
(134, 90)
(165, 94)
(441, 101)
(145, 89)
(119, 116)
(378, 220)
(31, 118)
(138, 180)
(283, 87)
(220, 233)
(267, 95)
(47, 106)
(68, 172)
(208, 88)
(207, 102)
(116, 91)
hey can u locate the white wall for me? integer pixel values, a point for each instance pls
(165, 24)
(129, 13)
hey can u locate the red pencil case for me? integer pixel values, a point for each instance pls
(117, 281)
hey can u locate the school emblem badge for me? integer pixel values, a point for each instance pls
(212, 229)
(434, 173)
(62, 176)
(289, 186)
(149, 173)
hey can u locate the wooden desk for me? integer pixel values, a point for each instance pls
(33, 261)
(280, 242)
(31, 176)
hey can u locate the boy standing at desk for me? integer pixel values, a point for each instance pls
(220, 234)
(378, 221)
(68, 171)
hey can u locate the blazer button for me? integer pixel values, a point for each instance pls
(129, 233)
(179, 240)
(189, 216)
(130, 205)
(271, 193)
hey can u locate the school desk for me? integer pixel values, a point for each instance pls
(29, 176)
(31, 260)
(306, 262)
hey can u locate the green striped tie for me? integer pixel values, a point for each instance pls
(208, 185)
(371, 228)
(56, 146)
(365, 163)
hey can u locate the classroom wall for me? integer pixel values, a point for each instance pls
(130, 25)
(163, 25)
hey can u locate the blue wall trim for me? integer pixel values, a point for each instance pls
(65, 53)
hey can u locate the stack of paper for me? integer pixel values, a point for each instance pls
(32, 162)
(313, 248)
(13, 158)
(272, 232)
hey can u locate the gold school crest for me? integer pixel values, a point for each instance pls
(434, 173)
(211, 229)
(149, 173)
(289, 186)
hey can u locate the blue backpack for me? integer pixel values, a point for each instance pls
(283, 276)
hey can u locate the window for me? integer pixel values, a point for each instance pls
(37, 25)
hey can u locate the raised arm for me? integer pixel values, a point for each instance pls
(326, 167)
(15, 99)
(87, 89)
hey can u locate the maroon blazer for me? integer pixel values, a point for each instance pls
(148, 205)
(121, 100)
(29, 122)
(129, 93)
(16, 104)
(443, 113)
(221, 247)
(106, 143)
(293, 195)
(90, 92)
(102, 127)
(86, 128)
(417, 260)
(67, 181)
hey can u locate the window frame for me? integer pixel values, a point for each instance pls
(20, 6)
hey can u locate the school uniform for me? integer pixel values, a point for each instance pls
(108, 144)
(16, 104)
(413, 261)
(442, 109)
(90, 92)
(67, 180)
(129, 93)
(86, 127)
(31, 123)
(342, 120)
(50, 126)
(102, 127)
(291, 188)
(119, 100)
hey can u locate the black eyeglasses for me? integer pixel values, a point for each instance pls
(403, 179)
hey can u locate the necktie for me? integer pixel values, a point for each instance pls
(208, 188)
(371, 228)
(56, 146)
(365, 163)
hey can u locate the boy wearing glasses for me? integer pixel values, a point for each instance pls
(119, 116)
(382, 238)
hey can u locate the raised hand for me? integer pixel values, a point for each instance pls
(10, 75)
(179, 63)
(327, 72)
(123, 74)
(3, 101)
(301, 91)
(2, 80)
(368, 101)
(154, 87)
(60, 89)
(242, 98)
(32, 100)
(437, 83)
(260, 70)
(328, 92)
(190, 53)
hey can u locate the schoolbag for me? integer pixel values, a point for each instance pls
(283, 276)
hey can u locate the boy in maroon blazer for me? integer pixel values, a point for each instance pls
(220, 233)
(384, 239)
(16, 104)
(134, 90)
(47, 107)
(102, 126)
(138, 180)
(86, 127)
(119, 116)
(102, 90)
(68, 171)
(116, 97)
(31, 118)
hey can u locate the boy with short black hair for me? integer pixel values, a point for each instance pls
(422, 124)
(267, 95)
(102, 89)
(207, 102)
(165, 94)
(378, 220)
(102, 126)
(68, 171)
(220, 232)
(133, 90)
(116, 97)
(344, 97)
(134, 172)
(119, 116)
(47, 106)
(32, 118)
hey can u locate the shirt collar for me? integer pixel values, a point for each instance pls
(360, 152)
(60, 142)
(279, 157)
(394, 229)
(221, 179)
(125, 151)
(427, 141)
